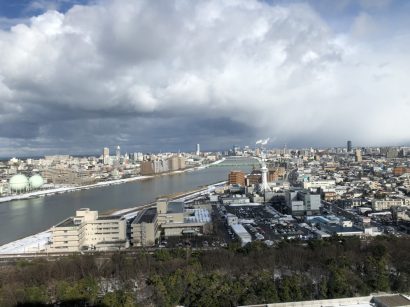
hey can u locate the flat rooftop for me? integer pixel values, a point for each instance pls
(392, 300)
(69, 222)
(175, 207)
(146, 216)
(340, 229)
(110, 217)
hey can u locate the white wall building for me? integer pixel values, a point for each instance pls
(87, 230)
(386, 204)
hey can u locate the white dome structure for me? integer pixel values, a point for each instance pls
(18, 183)
(36, 181)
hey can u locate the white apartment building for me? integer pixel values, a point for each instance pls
(88, 231)
(316, 184)
(386, 204)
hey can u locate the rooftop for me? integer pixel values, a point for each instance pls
(69, 222)
(339, 229)
(392, 300)
(362, 301)
(146, 216)
(175, 207)
(110, 217)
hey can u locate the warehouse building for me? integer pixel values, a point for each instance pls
(243, 235)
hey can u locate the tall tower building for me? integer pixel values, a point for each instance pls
(264, 187)
(257, 152)
(106, 155)
(349, 146)
(198, 150)
(118, 153)
(358, 155)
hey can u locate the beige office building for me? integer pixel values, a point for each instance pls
(144, 228)
(88, 231)
(169, 219)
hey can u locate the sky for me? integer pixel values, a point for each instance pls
(76, 76)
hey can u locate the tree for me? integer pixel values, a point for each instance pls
(37, 295)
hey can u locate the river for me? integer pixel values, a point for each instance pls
(21, 218)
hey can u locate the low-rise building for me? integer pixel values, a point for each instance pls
(386, 204)
(319, 184)
(169, 218)
(243, 235)
(235, 199)
(302, 202)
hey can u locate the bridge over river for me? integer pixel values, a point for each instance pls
(238, 162)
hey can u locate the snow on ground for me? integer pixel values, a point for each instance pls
(123, 211)
(126, 212)
(217, 162)
(98, 184)
(70, 189)
(131, 215)
(31, 244)
(37, 242)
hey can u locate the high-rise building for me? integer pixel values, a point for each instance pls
(106, 155)
(118, 153)
(138, 157)
(349, 146)
(173, 163)
(236, 177)
(392, 153)
(198, 150)
(235, 149)
(264, 186)
(358, 155)
(147, 168)
(181, 162)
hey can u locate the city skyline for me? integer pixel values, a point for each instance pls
(164, 76)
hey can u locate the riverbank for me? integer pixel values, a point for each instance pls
(37, 243)
(43, 193)
(23, 218)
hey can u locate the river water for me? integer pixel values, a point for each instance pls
(21, 218)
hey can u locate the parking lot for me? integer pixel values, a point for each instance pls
(263, 223)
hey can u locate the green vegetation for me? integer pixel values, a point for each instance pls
(256, 274)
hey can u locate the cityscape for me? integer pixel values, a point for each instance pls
(204, 153)
(267, 196)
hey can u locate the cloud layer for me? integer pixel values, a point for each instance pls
(160, 75)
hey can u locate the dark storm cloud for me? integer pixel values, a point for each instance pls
(165, 75)
(136, 134)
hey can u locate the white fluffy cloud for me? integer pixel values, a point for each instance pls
(278, 70)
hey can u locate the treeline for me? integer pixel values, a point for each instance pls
(255, 274)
